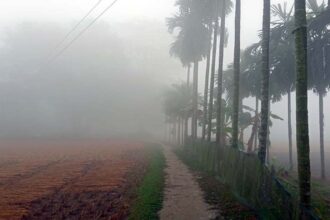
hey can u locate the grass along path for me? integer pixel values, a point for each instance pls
(150, 193)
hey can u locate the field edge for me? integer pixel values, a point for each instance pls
(151, 191)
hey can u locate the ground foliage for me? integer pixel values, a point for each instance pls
(150, 193)
(250, 181)
(320, 192)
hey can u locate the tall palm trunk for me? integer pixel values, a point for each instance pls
(256, 124)
(220, 72)
(188, 75)
(186, 129)
(290, 129)
(206, 89)
(321, 122)
(214, 54)
(169, 132)
(268, 131)
(179, 131)
(174, 132)
(254, 137)
(182, 131)
(263, 133)
(188, 85)
(237, 57)
(195, 101)
(302, 106)
(165, 129)
(192, 129)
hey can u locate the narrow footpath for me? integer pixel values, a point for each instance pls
(183, 197)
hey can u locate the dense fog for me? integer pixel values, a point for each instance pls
(123, 109)
(110, 82)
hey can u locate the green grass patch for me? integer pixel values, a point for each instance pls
(320, 193)
(150, 193)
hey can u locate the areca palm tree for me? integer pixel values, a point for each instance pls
(281, 62)
(206, 88)
(319, 54)
(245, 91)
(237, 52)
(263, 135)
(212, 80)
(282, 43)
(251, 76)
(251, 71)
(211, 14)
(177, 107)
(177, 50)
(302, 106)
(226, 8)
(191, 42)
(188, 74)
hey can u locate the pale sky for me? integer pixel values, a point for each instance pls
(18, 11)
(58, 10)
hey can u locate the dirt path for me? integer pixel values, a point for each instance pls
(183, 197)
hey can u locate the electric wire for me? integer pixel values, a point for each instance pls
(83, 31)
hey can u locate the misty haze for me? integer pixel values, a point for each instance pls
(167, 109)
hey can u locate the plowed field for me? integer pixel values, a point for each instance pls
(72, 179)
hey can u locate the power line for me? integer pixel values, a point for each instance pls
(82, 32)
(77, 25)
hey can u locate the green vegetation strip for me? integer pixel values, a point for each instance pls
(150, 193)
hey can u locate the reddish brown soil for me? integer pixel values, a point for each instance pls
(74, 179)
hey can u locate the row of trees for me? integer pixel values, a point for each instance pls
(197, 22)
(271, 68)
